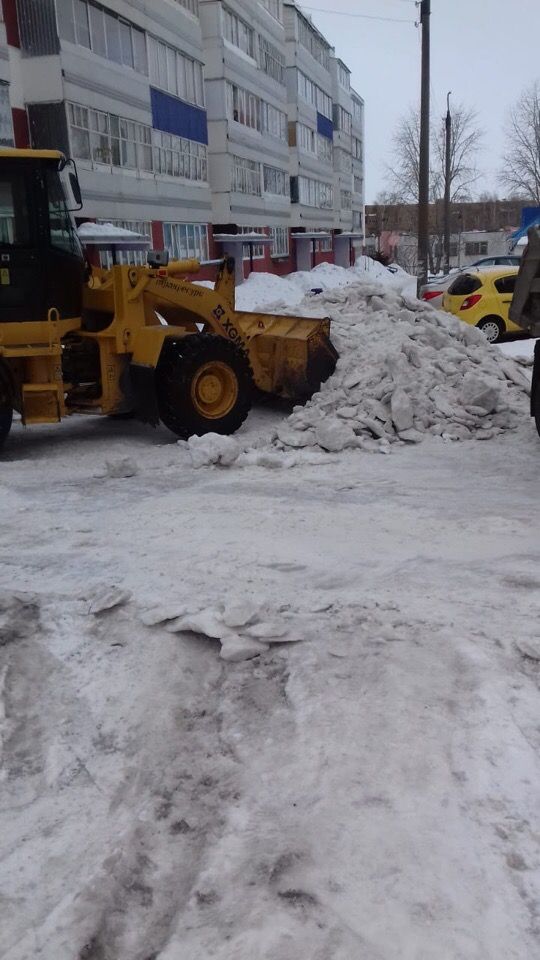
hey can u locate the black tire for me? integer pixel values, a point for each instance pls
(488, 325)
(6, 406)
(535, 387)
(6, 418)
(194, 369)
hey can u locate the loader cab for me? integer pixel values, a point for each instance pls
(41, 260)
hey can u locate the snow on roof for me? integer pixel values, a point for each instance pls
(108, 235)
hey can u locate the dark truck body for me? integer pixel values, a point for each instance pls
(525, 309)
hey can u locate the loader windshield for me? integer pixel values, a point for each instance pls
(14, 218)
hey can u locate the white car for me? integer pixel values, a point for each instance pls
(434, 290)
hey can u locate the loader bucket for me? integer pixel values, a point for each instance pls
(291, 356)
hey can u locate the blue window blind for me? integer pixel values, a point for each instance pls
(325, 127)
(174, 116)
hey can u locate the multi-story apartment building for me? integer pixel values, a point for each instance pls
(122, 91)
(358, 195)
(343, 176)
(311, 131)
(193, 122)
(247, 121)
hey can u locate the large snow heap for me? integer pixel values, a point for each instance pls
(405, 370)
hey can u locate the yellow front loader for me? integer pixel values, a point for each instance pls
(130, 340)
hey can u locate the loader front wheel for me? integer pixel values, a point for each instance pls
(6, 416)
(204, 385)
(6, 411)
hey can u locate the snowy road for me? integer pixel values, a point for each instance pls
(369, 793)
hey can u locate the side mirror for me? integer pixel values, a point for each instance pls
(75, 188)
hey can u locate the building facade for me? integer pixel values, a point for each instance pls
(191, 121)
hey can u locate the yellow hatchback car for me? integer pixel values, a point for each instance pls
(483, 299)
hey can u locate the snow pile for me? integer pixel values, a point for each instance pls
(282, 294)
(405, 371)
(244, 629)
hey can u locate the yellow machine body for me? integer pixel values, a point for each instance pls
(136, 309)
(145, 340)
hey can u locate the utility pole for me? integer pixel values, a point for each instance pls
(447, 177)
(423, 179)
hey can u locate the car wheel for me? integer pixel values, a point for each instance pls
(492, 328)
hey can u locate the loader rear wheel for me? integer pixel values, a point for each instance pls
(204, 385)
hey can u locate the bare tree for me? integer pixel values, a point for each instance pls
(521, 171)
(403, 175)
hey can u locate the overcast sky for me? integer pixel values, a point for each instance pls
(485, 51)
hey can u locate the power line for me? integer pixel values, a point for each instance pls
(359, 16)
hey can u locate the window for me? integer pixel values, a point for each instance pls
(276, 181)
(174, 72)
(344, 77)
(178, 157)
(246, 176)
(61, 229)
(280, 241)
(6, 121)
(506, 284)
(325, 246)
(103, 32)
(312, 142)
(313, 94)
(191, 5)
(274, 121)
(186, 241)
(271, 60)
(357, 151)
(358, 184)
(464, 285)
(306, 138)
(358, 109)
(343, 120)
(357, 220)
(325, 148)
(346, 199)
(273, 7)
(473, 248)
(343, 161)
(82, 26)
(310, 39)
(243, 107)
(119, 142)
(315, 193)
(137, 257)
(249, 110)
(14, 219)
(258, 248)
(238, 32)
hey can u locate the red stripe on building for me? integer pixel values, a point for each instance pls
(12, 24)
(21, 132)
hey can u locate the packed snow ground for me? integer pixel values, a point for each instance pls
(366, 792)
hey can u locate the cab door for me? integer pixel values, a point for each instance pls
(22, 273)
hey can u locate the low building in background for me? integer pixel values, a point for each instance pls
(478, 229)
